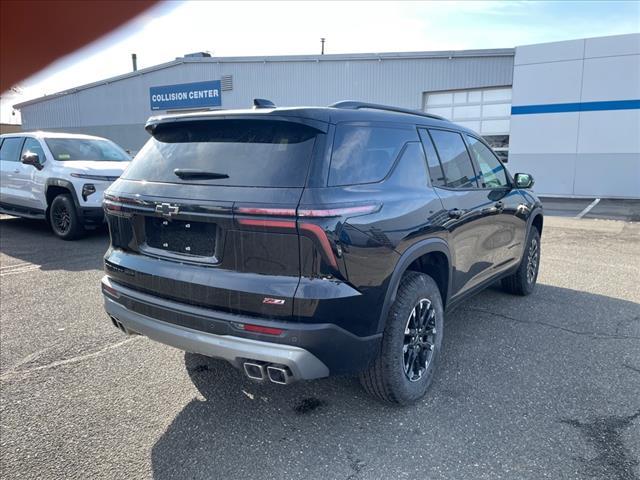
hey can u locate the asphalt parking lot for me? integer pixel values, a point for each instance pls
(546, 386)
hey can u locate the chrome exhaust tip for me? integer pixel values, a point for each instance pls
(279, 374)
(122, 328)
(117, 324)
(255, 371)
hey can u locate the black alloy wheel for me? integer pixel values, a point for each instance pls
(411, 343)
(64, 219)
(419, 340)
(61, 218)
(523, 280)
(533, 258)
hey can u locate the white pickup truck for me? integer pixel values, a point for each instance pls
(58, 177)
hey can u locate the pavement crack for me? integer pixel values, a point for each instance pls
(631, 367)
(594, 335)
(614, 459)
(355, 464)
(14, 372)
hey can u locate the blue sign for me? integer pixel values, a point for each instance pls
(185, 95)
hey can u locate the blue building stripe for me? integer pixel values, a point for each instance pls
(576, 107)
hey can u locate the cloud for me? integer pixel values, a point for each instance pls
(278, 28)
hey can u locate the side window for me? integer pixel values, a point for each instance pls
(435, 169)
(10, 150)
(456, 164)
(411, 170)
(32, 145)
(365, 154)
(492, 174)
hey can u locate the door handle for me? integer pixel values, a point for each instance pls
(456, 213)
(499, 206)
(16, 171)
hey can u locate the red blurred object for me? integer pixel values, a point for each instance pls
(35, 33)
(261, 329)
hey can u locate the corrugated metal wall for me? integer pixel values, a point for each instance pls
(400, 82)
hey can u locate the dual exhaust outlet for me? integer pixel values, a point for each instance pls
(259, 371)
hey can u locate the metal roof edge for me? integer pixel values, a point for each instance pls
(106, 81)
(357, 56)
(504, 52)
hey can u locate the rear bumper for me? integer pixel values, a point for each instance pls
(309, 350)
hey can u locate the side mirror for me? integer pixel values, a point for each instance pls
(523, 180)
(30, 158)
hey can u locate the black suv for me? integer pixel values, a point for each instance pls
(298, 243)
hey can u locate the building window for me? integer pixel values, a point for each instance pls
(486, 111)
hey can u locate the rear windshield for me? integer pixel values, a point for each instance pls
(67, 149)
(245, 152)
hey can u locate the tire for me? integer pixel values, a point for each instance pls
(64, 219)
(387, 378)
(523, 281)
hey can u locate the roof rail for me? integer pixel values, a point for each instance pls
(355, 105)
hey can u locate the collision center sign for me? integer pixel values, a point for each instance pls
(185, 95)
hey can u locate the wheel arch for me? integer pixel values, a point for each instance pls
(537, 220)
(430, 256)
(57, 186)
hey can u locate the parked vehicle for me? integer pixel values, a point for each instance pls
(58, 177)
(298, 243)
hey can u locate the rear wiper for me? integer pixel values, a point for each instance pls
(193, 174)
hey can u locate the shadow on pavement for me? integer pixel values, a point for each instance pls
(495, 374)
(31, 242)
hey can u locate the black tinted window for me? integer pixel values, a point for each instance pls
(491, 171)
(249, 152)
(435, 169)
(454, 158)
(10, 149)
(411, 170)
(365, 154)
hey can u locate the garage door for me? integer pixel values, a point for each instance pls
(486, 111)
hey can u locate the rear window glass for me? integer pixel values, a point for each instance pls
(365, 154)
(69, 149)
(241, 152)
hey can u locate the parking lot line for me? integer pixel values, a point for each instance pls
(79, 358)
(17, 269)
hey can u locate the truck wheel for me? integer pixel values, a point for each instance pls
(523, 281)
(63, 218)
(404, 368)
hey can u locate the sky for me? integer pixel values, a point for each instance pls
(174, 28)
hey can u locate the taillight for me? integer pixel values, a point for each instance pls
(263, 222)
(112, 292)
(338, 211)
(321, 235)
(300, 215)
(115, 204)
(277, 212)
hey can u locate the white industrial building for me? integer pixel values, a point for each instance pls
(567, 112)
(575, 121)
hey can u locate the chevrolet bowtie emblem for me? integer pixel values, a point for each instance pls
(166, 209)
